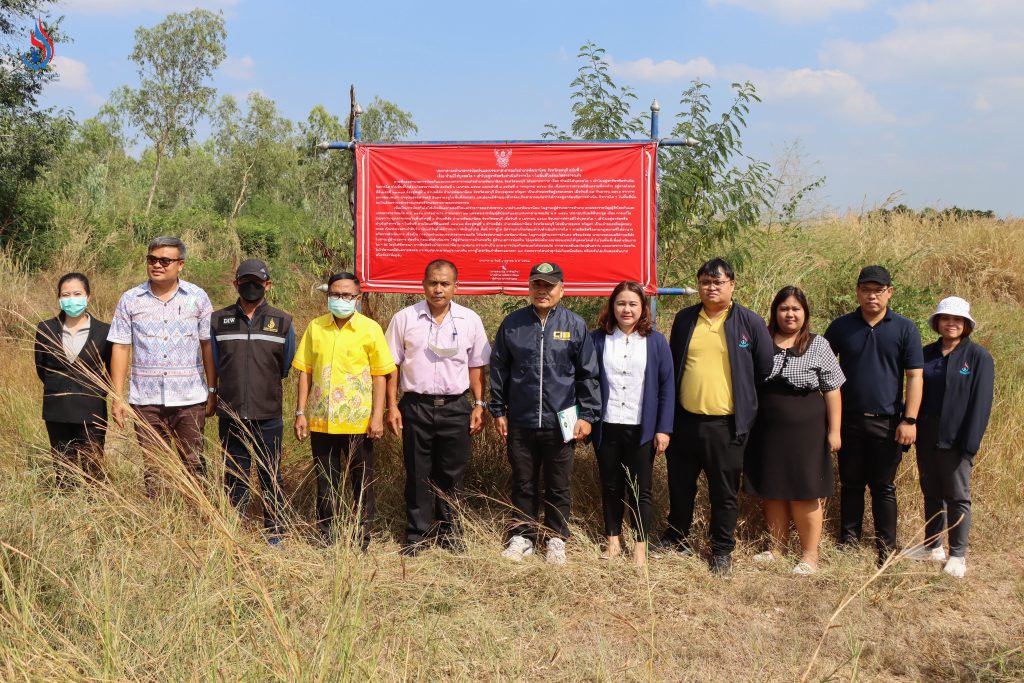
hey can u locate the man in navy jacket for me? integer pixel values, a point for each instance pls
(721, 352)
(543, 362)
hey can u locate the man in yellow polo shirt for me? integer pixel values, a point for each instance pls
(721, 351)
(343, 363)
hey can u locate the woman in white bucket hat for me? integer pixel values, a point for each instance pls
(958, 383)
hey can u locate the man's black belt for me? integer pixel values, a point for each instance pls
(436, 400)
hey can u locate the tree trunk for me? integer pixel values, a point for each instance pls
(156, 177)
(241, 192)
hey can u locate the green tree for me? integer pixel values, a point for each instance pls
(385, 121)
(600, 108)
(253, 149)
(324, 173)
(176, 60)
(30, 137)
(711, 193)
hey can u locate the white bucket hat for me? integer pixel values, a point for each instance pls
(952, 305)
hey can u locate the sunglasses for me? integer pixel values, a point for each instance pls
(162, 260)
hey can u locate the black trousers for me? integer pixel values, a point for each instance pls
(531, 453)
(627, 472)
(868, 459)
(351, 456)
(436, 446)
(76, 447)
(945, 475)
(704, 443)
(245, 442)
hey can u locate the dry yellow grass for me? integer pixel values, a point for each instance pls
(102, 584)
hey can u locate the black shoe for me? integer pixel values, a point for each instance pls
(452, 544)
(413, 549)
(667, 547)
(721, 565)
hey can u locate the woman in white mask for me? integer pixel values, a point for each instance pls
(72, 357)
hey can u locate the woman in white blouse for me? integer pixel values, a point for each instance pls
(789, 462)
(637, 398)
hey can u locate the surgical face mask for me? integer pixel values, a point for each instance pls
(74, 305)
(251, 291)
(341, 308)
(444, 351)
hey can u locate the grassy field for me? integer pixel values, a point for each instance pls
(102, 584)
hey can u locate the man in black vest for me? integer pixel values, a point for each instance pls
(253, 345)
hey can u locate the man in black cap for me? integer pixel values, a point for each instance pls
(543, 363)
(876, 349)
(253, 344)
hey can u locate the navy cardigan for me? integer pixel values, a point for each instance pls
(750, 354)
(970, 379)
(659, 400)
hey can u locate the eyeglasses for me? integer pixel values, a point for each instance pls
(713, 284)
(162, 260)
(334, 296)
(872, 292)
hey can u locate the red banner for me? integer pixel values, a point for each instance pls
(495, 210)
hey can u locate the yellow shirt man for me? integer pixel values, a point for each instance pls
(706, 387)
(340, 363)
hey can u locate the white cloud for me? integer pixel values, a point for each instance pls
(73, 78)
(137, 6)
(838, 93)
(240, 69)
(646, 69)
(796, 11)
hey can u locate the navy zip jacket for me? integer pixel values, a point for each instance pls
(658, 408)
(750, 356)
(537, 372)
(967, 404)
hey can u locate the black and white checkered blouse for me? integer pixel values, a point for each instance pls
(816, 369)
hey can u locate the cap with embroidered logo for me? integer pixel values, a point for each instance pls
(252, 266)
(548, 272)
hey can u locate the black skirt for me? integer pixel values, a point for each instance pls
(788, 456)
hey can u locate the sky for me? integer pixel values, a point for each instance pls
(914, 102)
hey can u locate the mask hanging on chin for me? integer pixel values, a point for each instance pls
(252, 291)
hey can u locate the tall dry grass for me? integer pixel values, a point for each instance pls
(100, 583)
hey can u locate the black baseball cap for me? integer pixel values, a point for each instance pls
(875, 274)
(548, 272)
(252, 266)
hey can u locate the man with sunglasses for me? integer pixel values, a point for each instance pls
(877, 348)
(721, 352)
(163, 325)
(440, 349)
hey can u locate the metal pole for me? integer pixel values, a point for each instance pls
(655, 109)
(356, 132)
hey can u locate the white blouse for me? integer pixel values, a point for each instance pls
(625, 360)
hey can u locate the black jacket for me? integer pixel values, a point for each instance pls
(537, 372)
(73, 392)
(967, 404)
(252, 357)
(750, 356)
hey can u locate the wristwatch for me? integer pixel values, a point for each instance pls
(212, 390)
(482, 404)
(300, 413)
(910, 421)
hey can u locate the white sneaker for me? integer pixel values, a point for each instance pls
(556, 551)
(956, 567)
(767, 557)
(804, 569)
(920, 552)
(518, 548)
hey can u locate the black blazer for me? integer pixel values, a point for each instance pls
(71, 392)
(970, 380)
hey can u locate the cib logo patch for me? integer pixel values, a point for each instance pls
(545, 268)
(744, 342)
(966, 369)
(561, 336)
(272, 324)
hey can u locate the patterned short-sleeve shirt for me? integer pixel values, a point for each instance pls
(341, 362)
(816, 369)
(167, 364)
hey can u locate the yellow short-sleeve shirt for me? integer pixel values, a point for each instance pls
(706, 387)
(341, 362)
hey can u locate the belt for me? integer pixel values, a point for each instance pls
(870, 414)
(436, 400)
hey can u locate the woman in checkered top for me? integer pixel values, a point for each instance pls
(789, 462)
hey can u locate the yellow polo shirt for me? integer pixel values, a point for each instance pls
(706, 387)
(341, 362)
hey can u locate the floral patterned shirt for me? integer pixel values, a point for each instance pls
(341, 362)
